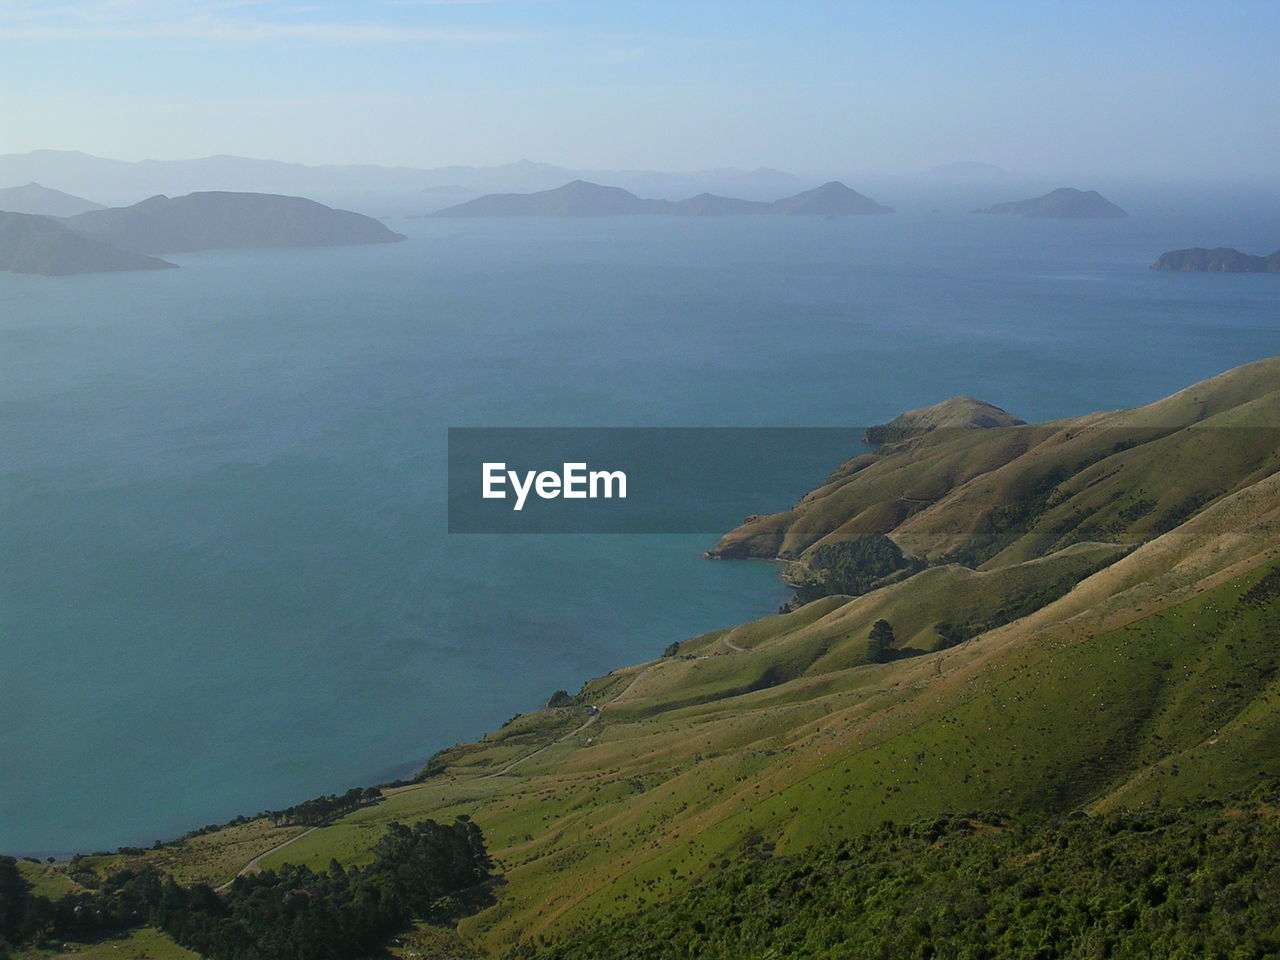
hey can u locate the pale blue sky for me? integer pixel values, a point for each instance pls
(1119, 87)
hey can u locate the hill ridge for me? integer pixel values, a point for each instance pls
(582, 198)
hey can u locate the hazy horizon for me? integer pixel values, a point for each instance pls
(1133, 89)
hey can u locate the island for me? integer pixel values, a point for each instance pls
(578, 198)
(41, 245)
(222, 220)
(832, 199)
(1064, 203)
(581, 198)
(711, 205)
(1217, 260)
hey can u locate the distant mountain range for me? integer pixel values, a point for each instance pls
(121, 182)
(1063, 203)
(580, 198)
(120, 238)
(399, 191)
(1217, 260)
(42, 201)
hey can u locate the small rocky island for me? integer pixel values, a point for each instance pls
(1063, 203)
(1216, 260)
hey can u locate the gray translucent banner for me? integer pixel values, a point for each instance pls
(708, 480)
(677, 480)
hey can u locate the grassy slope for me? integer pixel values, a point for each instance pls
(1153, 679)
(144, 944)
(591, 830)
(1008, 494)
(1063, 718)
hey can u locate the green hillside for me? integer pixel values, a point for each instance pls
(1196, 882)
(990, 497)
(1058, 648)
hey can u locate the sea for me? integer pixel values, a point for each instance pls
(226, 581)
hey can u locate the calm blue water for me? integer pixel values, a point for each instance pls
(226, 582)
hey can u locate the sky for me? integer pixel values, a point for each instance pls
(1123, 87)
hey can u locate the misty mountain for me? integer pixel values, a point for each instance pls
(711, 205)
(830, 199)
(967, 170)
(35, 199)
(215, 220)
(371, 188)
(576, 199)
(583, 199)
(431, 199)
(35, 244)
(1064, 203)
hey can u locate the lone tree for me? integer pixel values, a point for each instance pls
(880, 641)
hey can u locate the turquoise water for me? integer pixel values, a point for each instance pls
(226, 581)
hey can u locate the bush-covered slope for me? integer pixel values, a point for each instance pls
(1198, 883)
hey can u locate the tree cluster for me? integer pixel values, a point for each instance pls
(851, 567)
(311, 812)
(427, 871)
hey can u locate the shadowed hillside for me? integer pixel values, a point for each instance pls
(32, 244)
